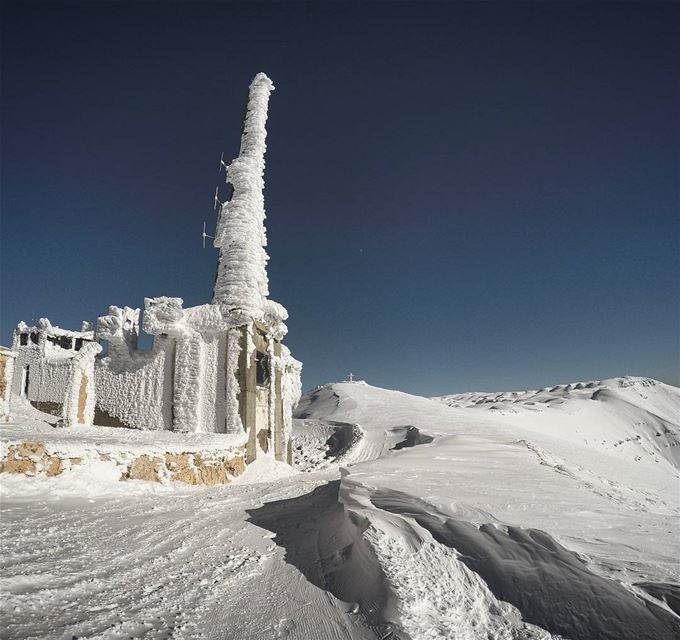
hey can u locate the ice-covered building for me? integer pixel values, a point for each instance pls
(220, 367)
(6, 374)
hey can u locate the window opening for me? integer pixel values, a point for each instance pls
(23, 339)
(262, 369)
(26, 378)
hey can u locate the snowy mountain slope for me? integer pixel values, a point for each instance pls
(592, 482)
(637, 416)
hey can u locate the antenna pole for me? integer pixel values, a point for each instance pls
(204, 235)
(217, 199)
(223, 164)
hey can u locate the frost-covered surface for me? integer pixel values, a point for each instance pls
(48, 379)
(31, 425)
(47, 363)
(446, 522)
(241, 284)
(179, 383)
(42, 330)
(186, 382)
(198, 345)
(7, 356)
(81, 387)
(234, 424)
(164, 315)
(189, 383)
(46, 326)
(120, 327)
(136, 386)
(274, 317)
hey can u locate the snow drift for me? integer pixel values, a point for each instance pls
(546, 512)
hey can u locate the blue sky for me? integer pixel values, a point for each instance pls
(460, 196)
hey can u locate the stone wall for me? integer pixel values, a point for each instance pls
(34, 458)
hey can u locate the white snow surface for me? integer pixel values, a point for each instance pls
(549, 514)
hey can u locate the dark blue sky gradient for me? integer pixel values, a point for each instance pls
(460, 195)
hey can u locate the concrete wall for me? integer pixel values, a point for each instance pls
(47, 379)
(213, 401)
(261, 407)
(6, 374)
(135, 389)
(247, 391)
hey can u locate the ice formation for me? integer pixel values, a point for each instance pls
(120, 327)
(241, 283)
(79, 400)
(7, 357)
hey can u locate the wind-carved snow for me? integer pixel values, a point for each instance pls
(440, 598)
(241, 283)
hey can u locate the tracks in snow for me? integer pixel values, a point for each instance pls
(186, 566)
(642, 501)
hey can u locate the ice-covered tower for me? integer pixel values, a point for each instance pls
(241, 283)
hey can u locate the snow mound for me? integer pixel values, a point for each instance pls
(349, 442)
(318, 444)
(265, 469)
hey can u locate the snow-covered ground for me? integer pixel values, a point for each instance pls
(543, 514)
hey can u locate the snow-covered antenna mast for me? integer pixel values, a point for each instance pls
(205, 235)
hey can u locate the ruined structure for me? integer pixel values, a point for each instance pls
(219, 367)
